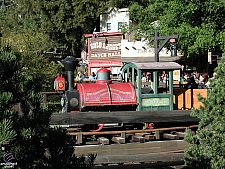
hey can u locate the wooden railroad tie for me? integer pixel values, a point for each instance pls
(181, 134)
(147, 136)
(138, 139)
(119, 140)
(170, 136)
(103, 140)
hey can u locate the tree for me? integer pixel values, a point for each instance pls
(207, 145)
(126, 3)
(64, 21)
(9, 83)
(171, 17)
(33, 142)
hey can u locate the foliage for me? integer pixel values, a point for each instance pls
(126, 3)
(196, 35)
(9, 74)
(207, 145)
(33, 142)
(37, 66)
(63, 21)
(7, 133)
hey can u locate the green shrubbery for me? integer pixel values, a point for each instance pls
(33, 142)
(207, 150)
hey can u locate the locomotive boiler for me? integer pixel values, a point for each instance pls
(103, 95)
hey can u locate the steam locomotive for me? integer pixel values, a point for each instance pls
(103, 95)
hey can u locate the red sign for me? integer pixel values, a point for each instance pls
(59, 83)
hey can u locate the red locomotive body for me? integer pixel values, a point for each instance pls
(105, 95)
(117, 95)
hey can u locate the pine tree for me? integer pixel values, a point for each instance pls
(33, 142)
(9, 82)
(207, 150)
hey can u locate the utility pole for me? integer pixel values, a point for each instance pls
(158, 47)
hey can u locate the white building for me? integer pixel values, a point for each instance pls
(114, 20)
(140, 51)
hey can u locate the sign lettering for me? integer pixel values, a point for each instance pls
(106, 54)
(155, 102)
(105, 47)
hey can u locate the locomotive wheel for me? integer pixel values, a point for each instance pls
(94, 127)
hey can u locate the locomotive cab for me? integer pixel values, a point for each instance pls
(153, 83)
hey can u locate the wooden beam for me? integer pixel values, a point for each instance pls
(122, 117)
(133, 161)
(154, 147)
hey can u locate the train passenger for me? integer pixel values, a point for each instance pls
(203, 79)
(92, 78)
(80, 77)
(191, 82)
(160, 78)
(148, 77)
(85, 76)
(214, 77)
(195, 78)
(166, 78)
(143, 79)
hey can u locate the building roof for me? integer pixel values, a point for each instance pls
(150, 59)
(157, 65)
(103, 34)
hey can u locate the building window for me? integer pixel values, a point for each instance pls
(108, 26)
(121, 26)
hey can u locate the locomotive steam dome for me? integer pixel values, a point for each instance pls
(103, 76)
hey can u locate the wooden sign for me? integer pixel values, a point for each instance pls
(108, 47)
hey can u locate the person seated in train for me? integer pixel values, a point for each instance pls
(92, 78)
(80, 77)
(148, 77)
(191, 82)
(195, 78)
(203, 79)
(166, 78)
(143, 79)
(214, 77)
(85, 75)
(160, 78)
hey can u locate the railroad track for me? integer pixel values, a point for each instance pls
(133, 146)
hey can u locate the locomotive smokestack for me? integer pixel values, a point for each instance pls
(70, 64)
